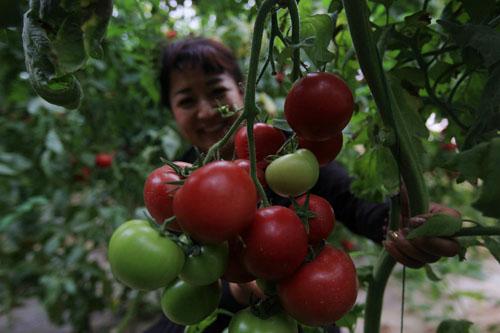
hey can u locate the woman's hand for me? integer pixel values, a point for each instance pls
(419, 251)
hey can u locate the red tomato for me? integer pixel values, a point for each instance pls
(245, 165)
(216, 203)
(319, 106)
(268, 141)
(235, 270)
(449, 147)
(159, 195)
(328, 285)
(103, 160)
(171, 34)
(325, 151)
(347, 245)
(276, 243)
(83, 174)
(322, 224)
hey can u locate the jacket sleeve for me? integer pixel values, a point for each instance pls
(360, 216)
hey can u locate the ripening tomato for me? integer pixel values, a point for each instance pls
(235, 270)
(328, 285)
(216, 203)
(245, 165)
(279, 77)
(319, 106)
(268, 141)
(276, 243)
(325, 151)
(206, 265)
(185, 304)
(103, 160)
(159, 194)
(293, 174)
(171, 34)
(321, 225)
(142, 258)
(246, 322)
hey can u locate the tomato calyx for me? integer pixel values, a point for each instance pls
(266, 308)
(303, 211)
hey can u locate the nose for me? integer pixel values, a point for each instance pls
(206, 109)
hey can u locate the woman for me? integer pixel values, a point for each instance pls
(197, 76)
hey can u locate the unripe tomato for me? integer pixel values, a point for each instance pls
(185, 304)
(246, 322)
(293, 174)
(103, 160)
(276, 243)
(159, 194)
(207, 266)
(321, 225)
(143, 259)
(325, 151)
(319, 106)
(328, 285)
(216, 203)
(268, 141)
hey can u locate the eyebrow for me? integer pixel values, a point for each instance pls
(210, 81)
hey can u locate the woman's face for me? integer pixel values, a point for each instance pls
(195, 97)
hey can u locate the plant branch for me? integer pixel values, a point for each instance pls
(478, 231)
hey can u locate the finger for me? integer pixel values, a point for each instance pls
(438, 246)
(409, 249)
(400, 257)
(435, 208)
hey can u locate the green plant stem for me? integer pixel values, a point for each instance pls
(219, 144)
(131, 313)
(358, 14)
(294, 16)
(478, 231)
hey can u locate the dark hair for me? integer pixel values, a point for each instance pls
(211, 56)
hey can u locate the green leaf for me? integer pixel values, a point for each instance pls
(482, 162)
(319, 29)
(95, 26)
(454, 326)
(482, 38)
(412, 75)
(479, 13)
(437, 225)
(349, 319)
(493, 246)
(68, 45)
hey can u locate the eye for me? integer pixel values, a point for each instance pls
(186, 102)
(219, 93)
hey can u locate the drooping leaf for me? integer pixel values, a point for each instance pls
(437, 225)
(431, 274)
(482, 162)
(319, 29)
(98, 15)
(454, 326)
(68, 45)
(493, 246)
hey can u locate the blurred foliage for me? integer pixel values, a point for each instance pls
(58, 209)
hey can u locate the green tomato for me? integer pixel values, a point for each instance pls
(207, 266)
(185, 304)
(142, 258)
(293, 174)
(246, 322)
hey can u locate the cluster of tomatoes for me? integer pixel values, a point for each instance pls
(218, 231)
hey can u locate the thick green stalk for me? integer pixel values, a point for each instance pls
(478, 231)
(371, 64)
(295, 19)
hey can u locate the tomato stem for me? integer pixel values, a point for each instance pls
(478, 231)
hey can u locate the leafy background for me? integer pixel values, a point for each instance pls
(58, 209)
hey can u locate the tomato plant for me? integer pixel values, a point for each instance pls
(319, 106)
(143, 259)
(328, 285)
(186, 304)
(321, 224)
(246, 322)
(325, 151)
(216, 203)
(293, 174)
(205, 264)
(268, 253)
(268, 141)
